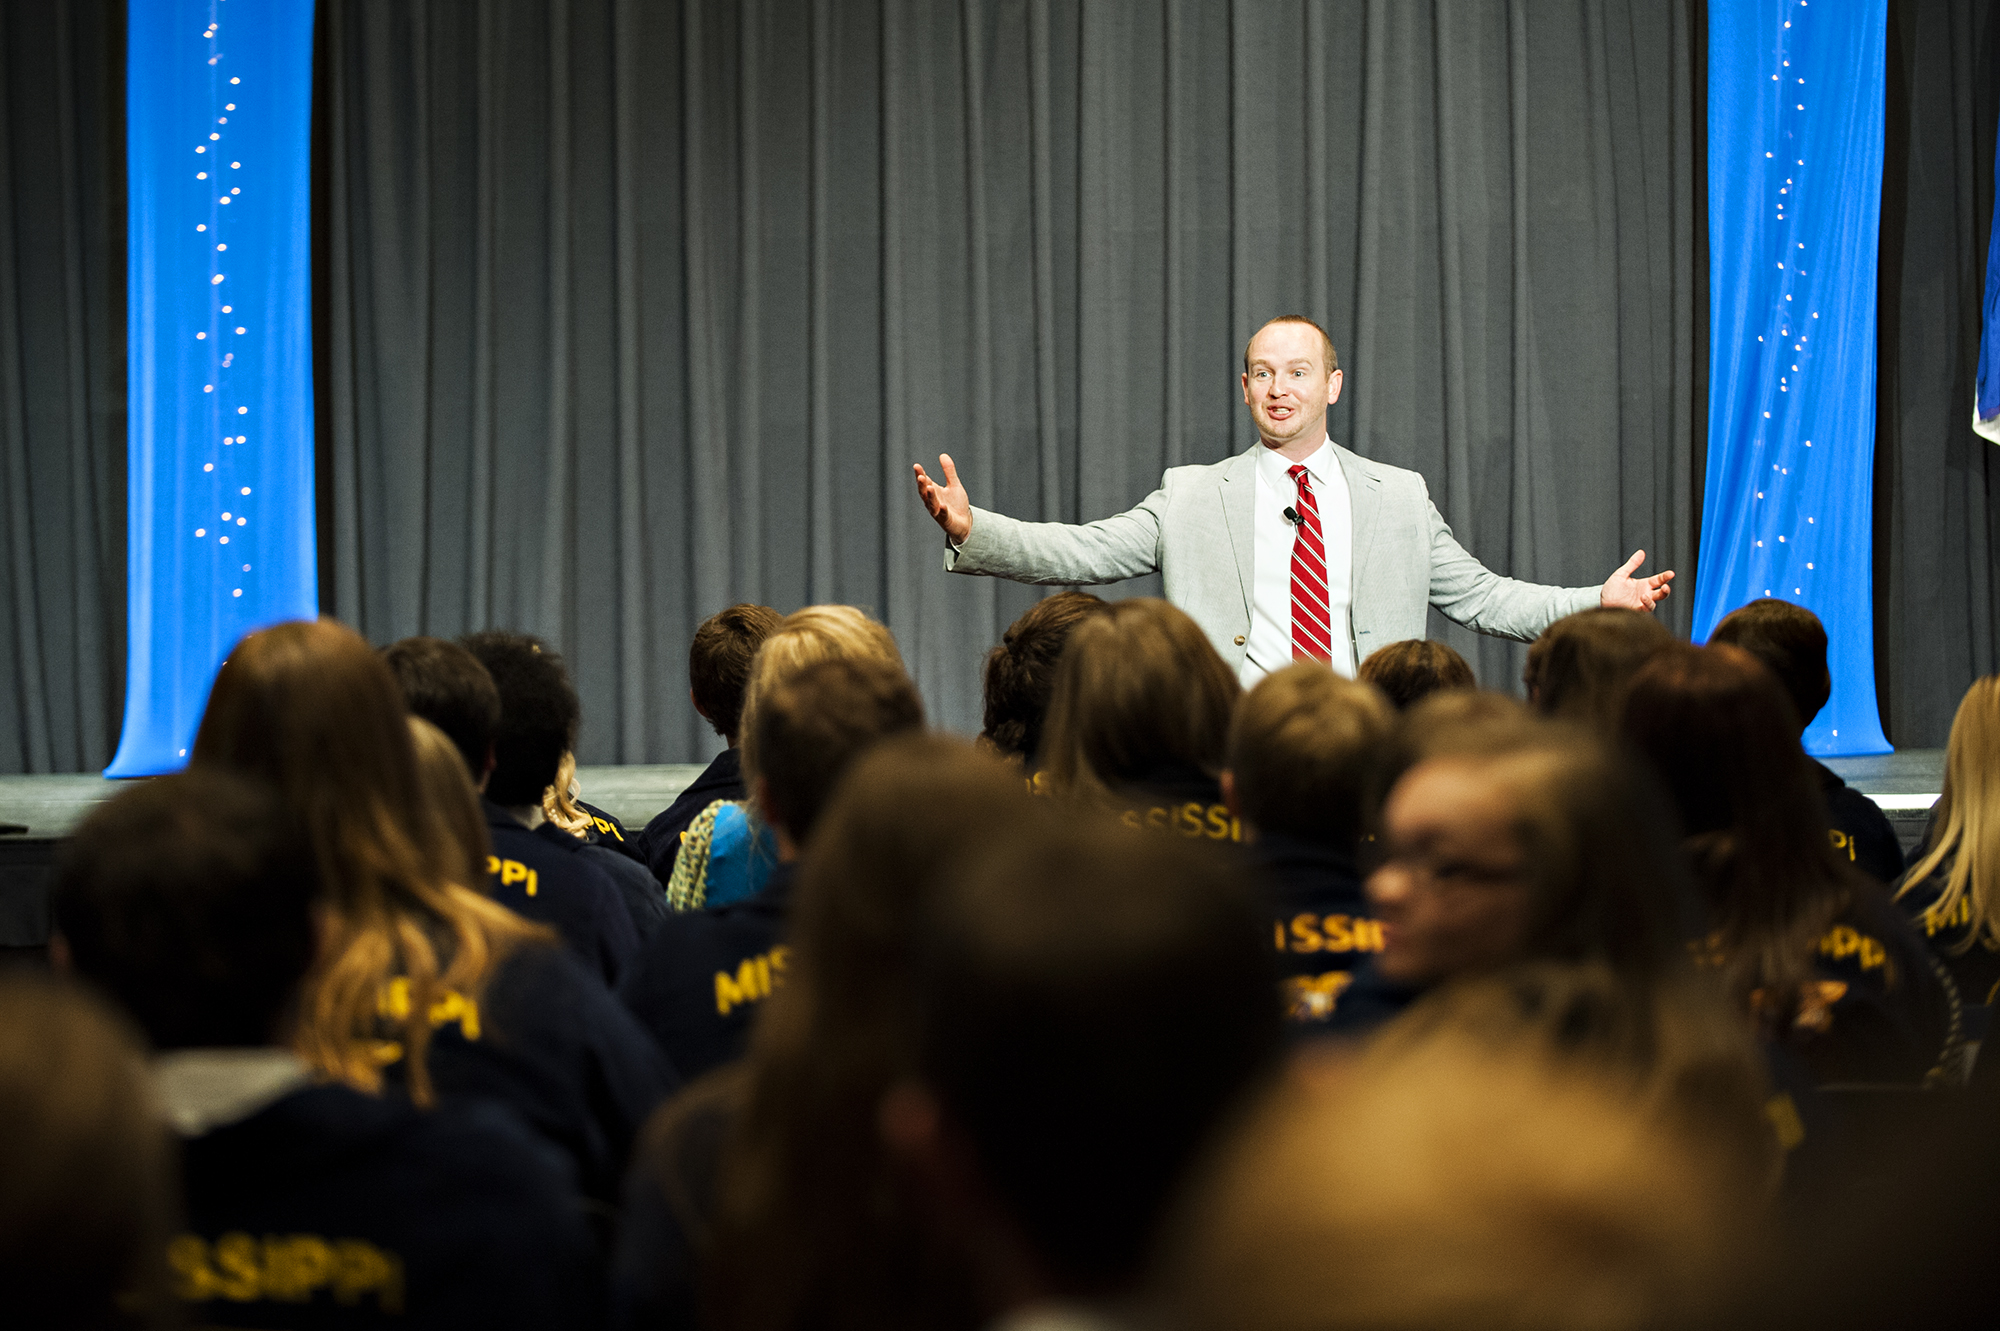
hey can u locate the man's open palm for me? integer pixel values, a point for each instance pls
(948, 503)
(1624, 592)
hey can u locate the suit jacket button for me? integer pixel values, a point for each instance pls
(1239, 640)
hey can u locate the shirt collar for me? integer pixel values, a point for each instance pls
(205, 1089)
(1323, 466)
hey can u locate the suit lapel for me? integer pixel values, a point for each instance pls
(1238, 491)
(1362, 485)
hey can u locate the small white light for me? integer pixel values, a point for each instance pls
(229, 106)
(1808, 565)
(208, 388)
(201, 226)
(201, 531)
(225, 309)
(236, 190)
(241, 330)
(225, 198)
(246, 489)
(213, 137)
(243, 411)
(236, 80)
(241, 521)
(225, 517)
(225, 541)
(242, 438)
(202, 148)
(238, 166)
(237, 592)
(201, 175)
(246, 567)
(201, 337)
(208, 466)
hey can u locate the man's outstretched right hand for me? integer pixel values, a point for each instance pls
(948, 503)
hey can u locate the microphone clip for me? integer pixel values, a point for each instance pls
(1292, 516)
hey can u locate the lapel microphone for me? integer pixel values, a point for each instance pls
(1292, 516)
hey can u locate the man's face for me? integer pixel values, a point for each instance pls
(1287, 386)
(1453, 893)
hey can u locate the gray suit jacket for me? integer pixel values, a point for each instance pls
(1195, 530)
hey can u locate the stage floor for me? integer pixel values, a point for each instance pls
(1905, 785)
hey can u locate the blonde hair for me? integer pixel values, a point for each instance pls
(559, 804)
(1967, 820)
(1463, 1176)
(806, 637)
(311, 709)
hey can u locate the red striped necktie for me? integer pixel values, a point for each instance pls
(1312, 622)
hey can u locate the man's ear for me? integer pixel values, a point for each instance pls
(1229, 799)
(486, 770)
(1333, 382)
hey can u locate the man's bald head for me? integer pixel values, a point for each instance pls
(1332, 360)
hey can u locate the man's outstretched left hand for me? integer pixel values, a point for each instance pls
(1622, 591)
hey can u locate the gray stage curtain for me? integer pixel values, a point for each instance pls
(1937, 484)
(62, 384)
(637, 309)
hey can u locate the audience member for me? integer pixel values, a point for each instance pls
(1139, 721)
(729, 852)
(538, 870)
(448, 687)
(86, 1182)
(1510, 841)
(774, 1172)
(419, 974)
(563, 804)
(190, 899)
(719, 660)
(1308, 752)
(1578, 670)
(1410, 671)
(1021, 673)
(1953, 887)
(1469, 1175)
(1806, 944)
(698, 984)
(1791, 643)
(1092, 1005)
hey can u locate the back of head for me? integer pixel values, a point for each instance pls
(719, 661)
(1579, 668)
(1140, 694)
(812, 723)
(1407, 672)
(539, 714)
(448, 687)
(1021, 671)
(1459, 1180)
(189, 899)
(85, 1175)
(1094, 1004)
(1308, 752)
(1723, 737)
(1964, 839)
(1791, 643)
(449, 795)
(815, 633)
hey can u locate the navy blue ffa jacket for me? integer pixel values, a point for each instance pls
(554, 1046)
(1321, 925)
(722, 779)
(1182, 802)
(330, 1208)
(700, 981)
(546, 875)
(645, 900)
(1878, 1010)
(605, 830)
(1862, 834)
(1974, 962)
(670, 1199)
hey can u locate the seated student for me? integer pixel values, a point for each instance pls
(416, 961)
(1062, 1092)
(1804, 943)
(1953, 887)
(1021, 673)
(1580, 666)
(1477, 1171)
(1307, 756)
(1139, 721)
(538, 870)
(719, 660)
(1791, 643)
(742, 1206)
(728, 851)
(1410, 671)
(88, 1202)
(699, 983)
(190, 900)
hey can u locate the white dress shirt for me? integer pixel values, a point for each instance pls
(1270, 645)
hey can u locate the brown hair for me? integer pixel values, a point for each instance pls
(309, 708)
(1332, 361)
(1021, 671)
(1407, 672)
(1791, 642)
(719, 660)
(1139, 691)
(808, 1231)
(447, 789)
(1580, 667)
(1307, 753)
(1722, 736)
(812, 723)
(88, 1202)
(447, 686)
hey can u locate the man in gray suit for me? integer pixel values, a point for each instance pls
(1294, 548)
